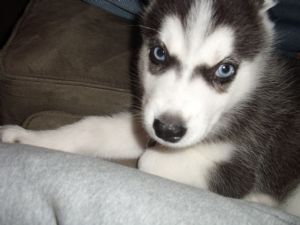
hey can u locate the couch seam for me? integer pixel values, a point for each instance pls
(49, 113)
(105, 85)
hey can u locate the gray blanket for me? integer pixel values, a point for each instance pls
(47, 187)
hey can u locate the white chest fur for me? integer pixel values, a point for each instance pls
(190, 166)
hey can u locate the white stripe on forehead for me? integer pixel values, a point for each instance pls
(196, 43)
(199, 21)
(215, 48)
(172, 35)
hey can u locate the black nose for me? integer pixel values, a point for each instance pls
(169, 128)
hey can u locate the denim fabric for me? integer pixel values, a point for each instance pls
(127, 9)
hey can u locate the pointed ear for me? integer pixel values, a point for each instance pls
(268, 4)
(264, 5)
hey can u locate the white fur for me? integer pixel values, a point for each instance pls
(107, 137)
(172, 35)
(261, 198)
(189, 166)
(268, 4)
(292, 203)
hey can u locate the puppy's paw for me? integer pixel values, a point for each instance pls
(12, 134)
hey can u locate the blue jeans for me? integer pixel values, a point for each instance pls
(127, 9)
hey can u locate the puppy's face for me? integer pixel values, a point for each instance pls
(199, 59)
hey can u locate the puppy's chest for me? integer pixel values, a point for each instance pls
(190, 166)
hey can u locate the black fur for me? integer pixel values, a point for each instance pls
(245, 20)
(266, 131)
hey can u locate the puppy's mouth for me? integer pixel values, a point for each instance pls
(151, 143)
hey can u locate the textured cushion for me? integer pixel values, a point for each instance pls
(49, 120)
(65, 55)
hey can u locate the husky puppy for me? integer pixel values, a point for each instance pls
(222, 108)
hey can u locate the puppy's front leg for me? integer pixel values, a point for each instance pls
(115, 137)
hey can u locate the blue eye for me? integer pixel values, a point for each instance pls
(158, 55)
(225, 70)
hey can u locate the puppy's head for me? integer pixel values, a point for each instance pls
(199, 59)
